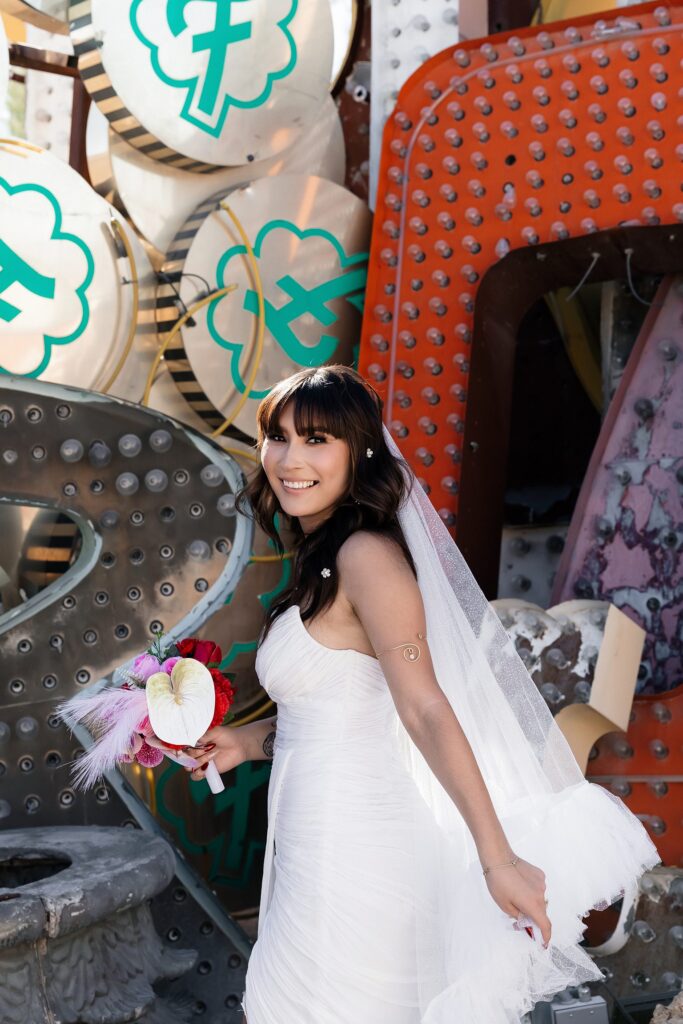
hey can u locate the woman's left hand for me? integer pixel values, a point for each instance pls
(520, 889)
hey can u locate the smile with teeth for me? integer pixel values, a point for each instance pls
(298, 485)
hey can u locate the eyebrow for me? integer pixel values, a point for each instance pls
(313, 430)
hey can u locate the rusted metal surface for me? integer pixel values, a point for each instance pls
(507, 291)
(78, 157)
(353, 101)
(643, 765)
(645, 969)
(22, 56)
(559, 647)
(626, 537)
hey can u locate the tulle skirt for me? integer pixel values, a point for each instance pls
(375, 916)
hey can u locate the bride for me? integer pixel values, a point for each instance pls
(432, 843)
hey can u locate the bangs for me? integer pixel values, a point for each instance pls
(318, 408)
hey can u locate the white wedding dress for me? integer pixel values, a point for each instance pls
(369, 913)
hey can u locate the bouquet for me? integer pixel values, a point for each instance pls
(169, 698)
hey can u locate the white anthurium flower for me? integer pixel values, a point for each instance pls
(182, 704)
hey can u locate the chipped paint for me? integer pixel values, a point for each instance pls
(626, 539)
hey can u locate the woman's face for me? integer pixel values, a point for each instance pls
(319, 464)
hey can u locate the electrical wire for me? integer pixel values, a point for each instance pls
(178, 325)
(596, 257)
(168, 280)
(628, 1018)
(133, 325)
(198, 277)
(260, 335)
(629, 277)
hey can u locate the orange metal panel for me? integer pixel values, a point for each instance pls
(555, 132)
(644, 766)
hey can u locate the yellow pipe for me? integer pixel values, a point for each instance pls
(576, 336)
(261, 321)
(132, 329)
(177, 327)
(270, 558)
(244, 455)
(20, 144)
(558, 10)
(151, 791)
(252, 715)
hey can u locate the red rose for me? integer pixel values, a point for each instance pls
(208, 652)
(186, 647)
(205, 651)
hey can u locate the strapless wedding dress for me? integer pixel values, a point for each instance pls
(369, 915)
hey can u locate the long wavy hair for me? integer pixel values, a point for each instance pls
(337, 400)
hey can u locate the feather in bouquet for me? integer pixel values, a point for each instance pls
(169, 699)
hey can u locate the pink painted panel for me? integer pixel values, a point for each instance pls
(625, 543)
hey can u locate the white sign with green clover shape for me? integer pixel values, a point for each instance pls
(62, 311)
(45, 275)
(310, 238)
(221, 81)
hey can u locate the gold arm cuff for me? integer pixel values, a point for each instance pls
(411, 651)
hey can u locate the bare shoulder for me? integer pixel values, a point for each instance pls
(367, 544)
(365, 554)
(376, 579)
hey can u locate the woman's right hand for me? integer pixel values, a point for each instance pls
(223, 745)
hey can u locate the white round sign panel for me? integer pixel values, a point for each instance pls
(221, 81)
(65, 312)
(160, 198)
(310, 238)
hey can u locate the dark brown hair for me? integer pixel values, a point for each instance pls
(337, 400)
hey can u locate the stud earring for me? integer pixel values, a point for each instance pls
(326, 573)
(369, 452)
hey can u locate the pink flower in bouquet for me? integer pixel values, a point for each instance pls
(120, 716)
(145, 727)
(148, 756)
(144, 666)
(135, 746)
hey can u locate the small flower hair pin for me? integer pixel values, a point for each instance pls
(369, 452)
(325, 573)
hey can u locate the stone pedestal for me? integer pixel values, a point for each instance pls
(77, 941)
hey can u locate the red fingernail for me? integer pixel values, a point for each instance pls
(209, 746)
(204, 767)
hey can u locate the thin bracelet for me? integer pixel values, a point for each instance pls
(503, 865)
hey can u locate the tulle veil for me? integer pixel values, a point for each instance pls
(591, 847)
